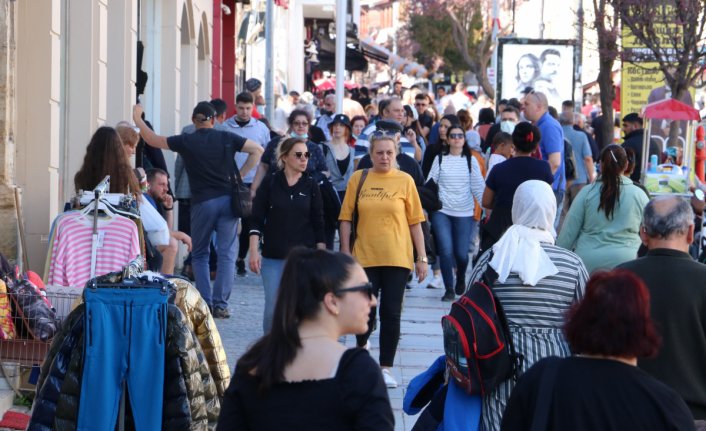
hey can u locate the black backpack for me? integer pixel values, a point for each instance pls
(479, 350)
(569, 161)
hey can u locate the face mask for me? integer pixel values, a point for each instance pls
(260, 109)
(507, 126)
(304, 136)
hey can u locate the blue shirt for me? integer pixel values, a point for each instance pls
(256, 131)
(552, 142)
(582, 149)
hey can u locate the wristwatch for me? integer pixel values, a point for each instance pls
(422, 259)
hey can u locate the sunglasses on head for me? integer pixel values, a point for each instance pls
(456, 135)
(366, 288)
(300, 154)
(384, 134)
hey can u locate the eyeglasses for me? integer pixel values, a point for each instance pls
(456, 135)
(300, 123)
(367, 288)
(299, 155)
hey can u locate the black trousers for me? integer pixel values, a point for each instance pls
(389, 285)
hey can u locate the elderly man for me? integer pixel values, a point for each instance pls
(551, 144)
(677, 286)
(390, 110)
(211, 189)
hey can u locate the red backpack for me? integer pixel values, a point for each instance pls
(479, 350)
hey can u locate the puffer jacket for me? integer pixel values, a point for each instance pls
(210, 392)
(54, 370)
(201, 322)
(181, 342)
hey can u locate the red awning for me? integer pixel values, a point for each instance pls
(325, 84)
(670, 109)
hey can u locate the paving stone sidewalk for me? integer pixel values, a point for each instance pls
(420, 340)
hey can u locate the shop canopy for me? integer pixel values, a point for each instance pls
(325, 84)
(670, 109)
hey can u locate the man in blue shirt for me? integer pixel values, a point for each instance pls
(551, 144)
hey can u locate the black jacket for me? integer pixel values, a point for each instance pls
(286, 216)
(634, 140)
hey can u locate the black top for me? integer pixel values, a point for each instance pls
(506, 177)
(204, 157)
(355, 399)
(430, 154)
(343, 164)
(287, 216)
(677, 286)
(425, 120)
(407, 164)
(634, 140)
(596, 394)
(488, 141)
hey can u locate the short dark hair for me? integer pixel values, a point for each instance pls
(632, 118)
(567, 104)
(526, 137)
(244, 97)
(511, 108)
(548, 51)
(153, 172)
(220, 105)
(422, 96)
(486, 116)
(613, 319)
(298, 113)
(294, 93)
(501, 138)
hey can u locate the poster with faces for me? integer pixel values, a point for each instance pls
(546, 66)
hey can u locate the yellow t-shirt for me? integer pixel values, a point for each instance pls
(387, 206)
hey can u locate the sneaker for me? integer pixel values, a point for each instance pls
(240, 268)
(220, 313)
(390, 381)
(448, 296)
(436, 283)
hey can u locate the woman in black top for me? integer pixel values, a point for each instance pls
(299, 377)
(287, 212)
(601, 387)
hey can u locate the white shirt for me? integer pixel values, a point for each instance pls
(456, 187)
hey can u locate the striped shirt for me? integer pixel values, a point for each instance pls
(70, 262)
(535, 315)
(457, 187)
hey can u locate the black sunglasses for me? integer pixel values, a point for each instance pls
(456, 135)
(367, 288)
(299, 155)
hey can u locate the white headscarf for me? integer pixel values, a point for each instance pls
(519, 249)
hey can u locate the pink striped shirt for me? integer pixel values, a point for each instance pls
(70, 262)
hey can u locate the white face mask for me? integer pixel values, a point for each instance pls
(507, 126)
(304, 136)
(260, 109)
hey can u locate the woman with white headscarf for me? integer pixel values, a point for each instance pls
(537, 283)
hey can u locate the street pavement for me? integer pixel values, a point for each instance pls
(420, 340)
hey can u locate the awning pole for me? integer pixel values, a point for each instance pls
(340, 52)
(269, 61)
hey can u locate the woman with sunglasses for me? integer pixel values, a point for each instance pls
(459, 178)
(298, 376)
(388, 225)
(299, 124)
(287, 212)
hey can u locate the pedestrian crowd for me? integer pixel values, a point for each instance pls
(351, 208)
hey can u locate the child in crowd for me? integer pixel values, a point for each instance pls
(502, 149)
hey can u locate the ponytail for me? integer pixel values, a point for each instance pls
(614, 160)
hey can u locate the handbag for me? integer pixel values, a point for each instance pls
(240, 197)
(429, 193)
(354, 222)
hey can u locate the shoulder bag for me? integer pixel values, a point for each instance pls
(429, 193)
(354, 223)
(240, 197)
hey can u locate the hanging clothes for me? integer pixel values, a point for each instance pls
(72, 242)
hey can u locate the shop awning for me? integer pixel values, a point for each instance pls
(327, 56)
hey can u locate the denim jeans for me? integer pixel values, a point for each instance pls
(271, 272)
(453, 238)
(208, 216)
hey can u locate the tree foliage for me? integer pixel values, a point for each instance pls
(672, 33)
(457, 30)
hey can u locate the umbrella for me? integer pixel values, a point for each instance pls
(325, 84)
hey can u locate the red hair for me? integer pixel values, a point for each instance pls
(614, 318)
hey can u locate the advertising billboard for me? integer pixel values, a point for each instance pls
(545, 65)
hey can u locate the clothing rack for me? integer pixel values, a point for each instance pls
(97, 193)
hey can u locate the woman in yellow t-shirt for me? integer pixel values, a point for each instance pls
(389, 217)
